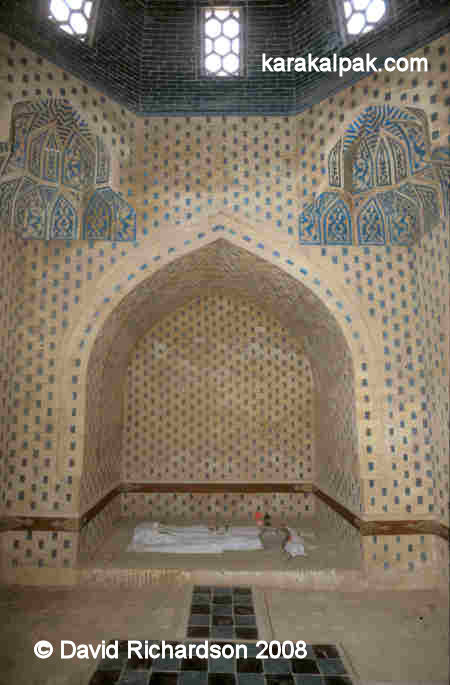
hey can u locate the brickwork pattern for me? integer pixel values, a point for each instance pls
(432, 263)
(221, 508)
(261, 171)
(218, 390)
(11, 270)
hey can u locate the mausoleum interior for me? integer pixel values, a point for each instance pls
(225, 310)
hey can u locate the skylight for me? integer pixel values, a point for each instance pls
(72, 16)
(362, 16)
(222, 41)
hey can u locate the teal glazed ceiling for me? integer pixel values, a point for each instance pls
(146, 54)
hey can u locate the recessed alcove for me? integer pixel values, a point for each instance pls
(218, 370)
(222, 297)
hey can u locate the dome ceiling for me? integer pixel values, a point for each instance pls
(147, 54)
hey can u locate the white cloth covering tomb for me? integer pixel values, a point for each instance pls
(151, 537)
(295, 545)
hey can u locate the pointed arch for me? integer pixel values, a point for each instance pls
(362, 166)
(337, 224)
(63, 220)
(78, 168)
(118, 313)
(44, 157)
(383, 164)
(399, 159)
(371, 224)
(30, 214)
(98, 217)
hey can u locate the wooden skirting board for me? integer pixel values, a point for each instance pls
(75, 524)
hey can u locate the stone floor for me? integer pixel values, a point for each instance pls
(231, 665)
(220, 612)
(387, 637)
(323, 551)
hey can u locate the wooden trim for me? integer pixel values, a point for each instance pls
(49, 523)
(101, 504)
(75, 524)
(338, 507)
(215, 488)
(416, 527)
(401, 527)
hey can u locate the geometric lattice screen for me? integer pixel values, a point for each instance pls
(362, 16)
(72, 16)
(222, 41)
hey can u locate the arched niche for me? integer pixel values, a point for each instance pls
(221, 267)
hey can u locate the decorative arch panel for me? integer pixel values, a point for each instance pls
(386, 179)
(54, 178)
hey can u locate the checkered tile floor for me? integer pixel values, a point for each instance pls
(322, 666)
(222, 613)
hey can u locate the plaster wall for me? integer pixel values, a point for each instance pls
(249, 178)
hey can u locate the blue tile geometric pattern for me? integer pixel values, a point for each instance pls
(387, 145)
(8, 191)
(78, 163)
(386, 181)
(54, 161)
(337, 224)
(402, 216)
(327, 220)
(64, 220)
(30, 214)
(109, 217)
(371, 224)
(98, 217)
(309, 226)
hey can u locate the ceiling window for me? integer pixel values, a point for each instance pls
(72, 16)
(222, 37)
(361, 16)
